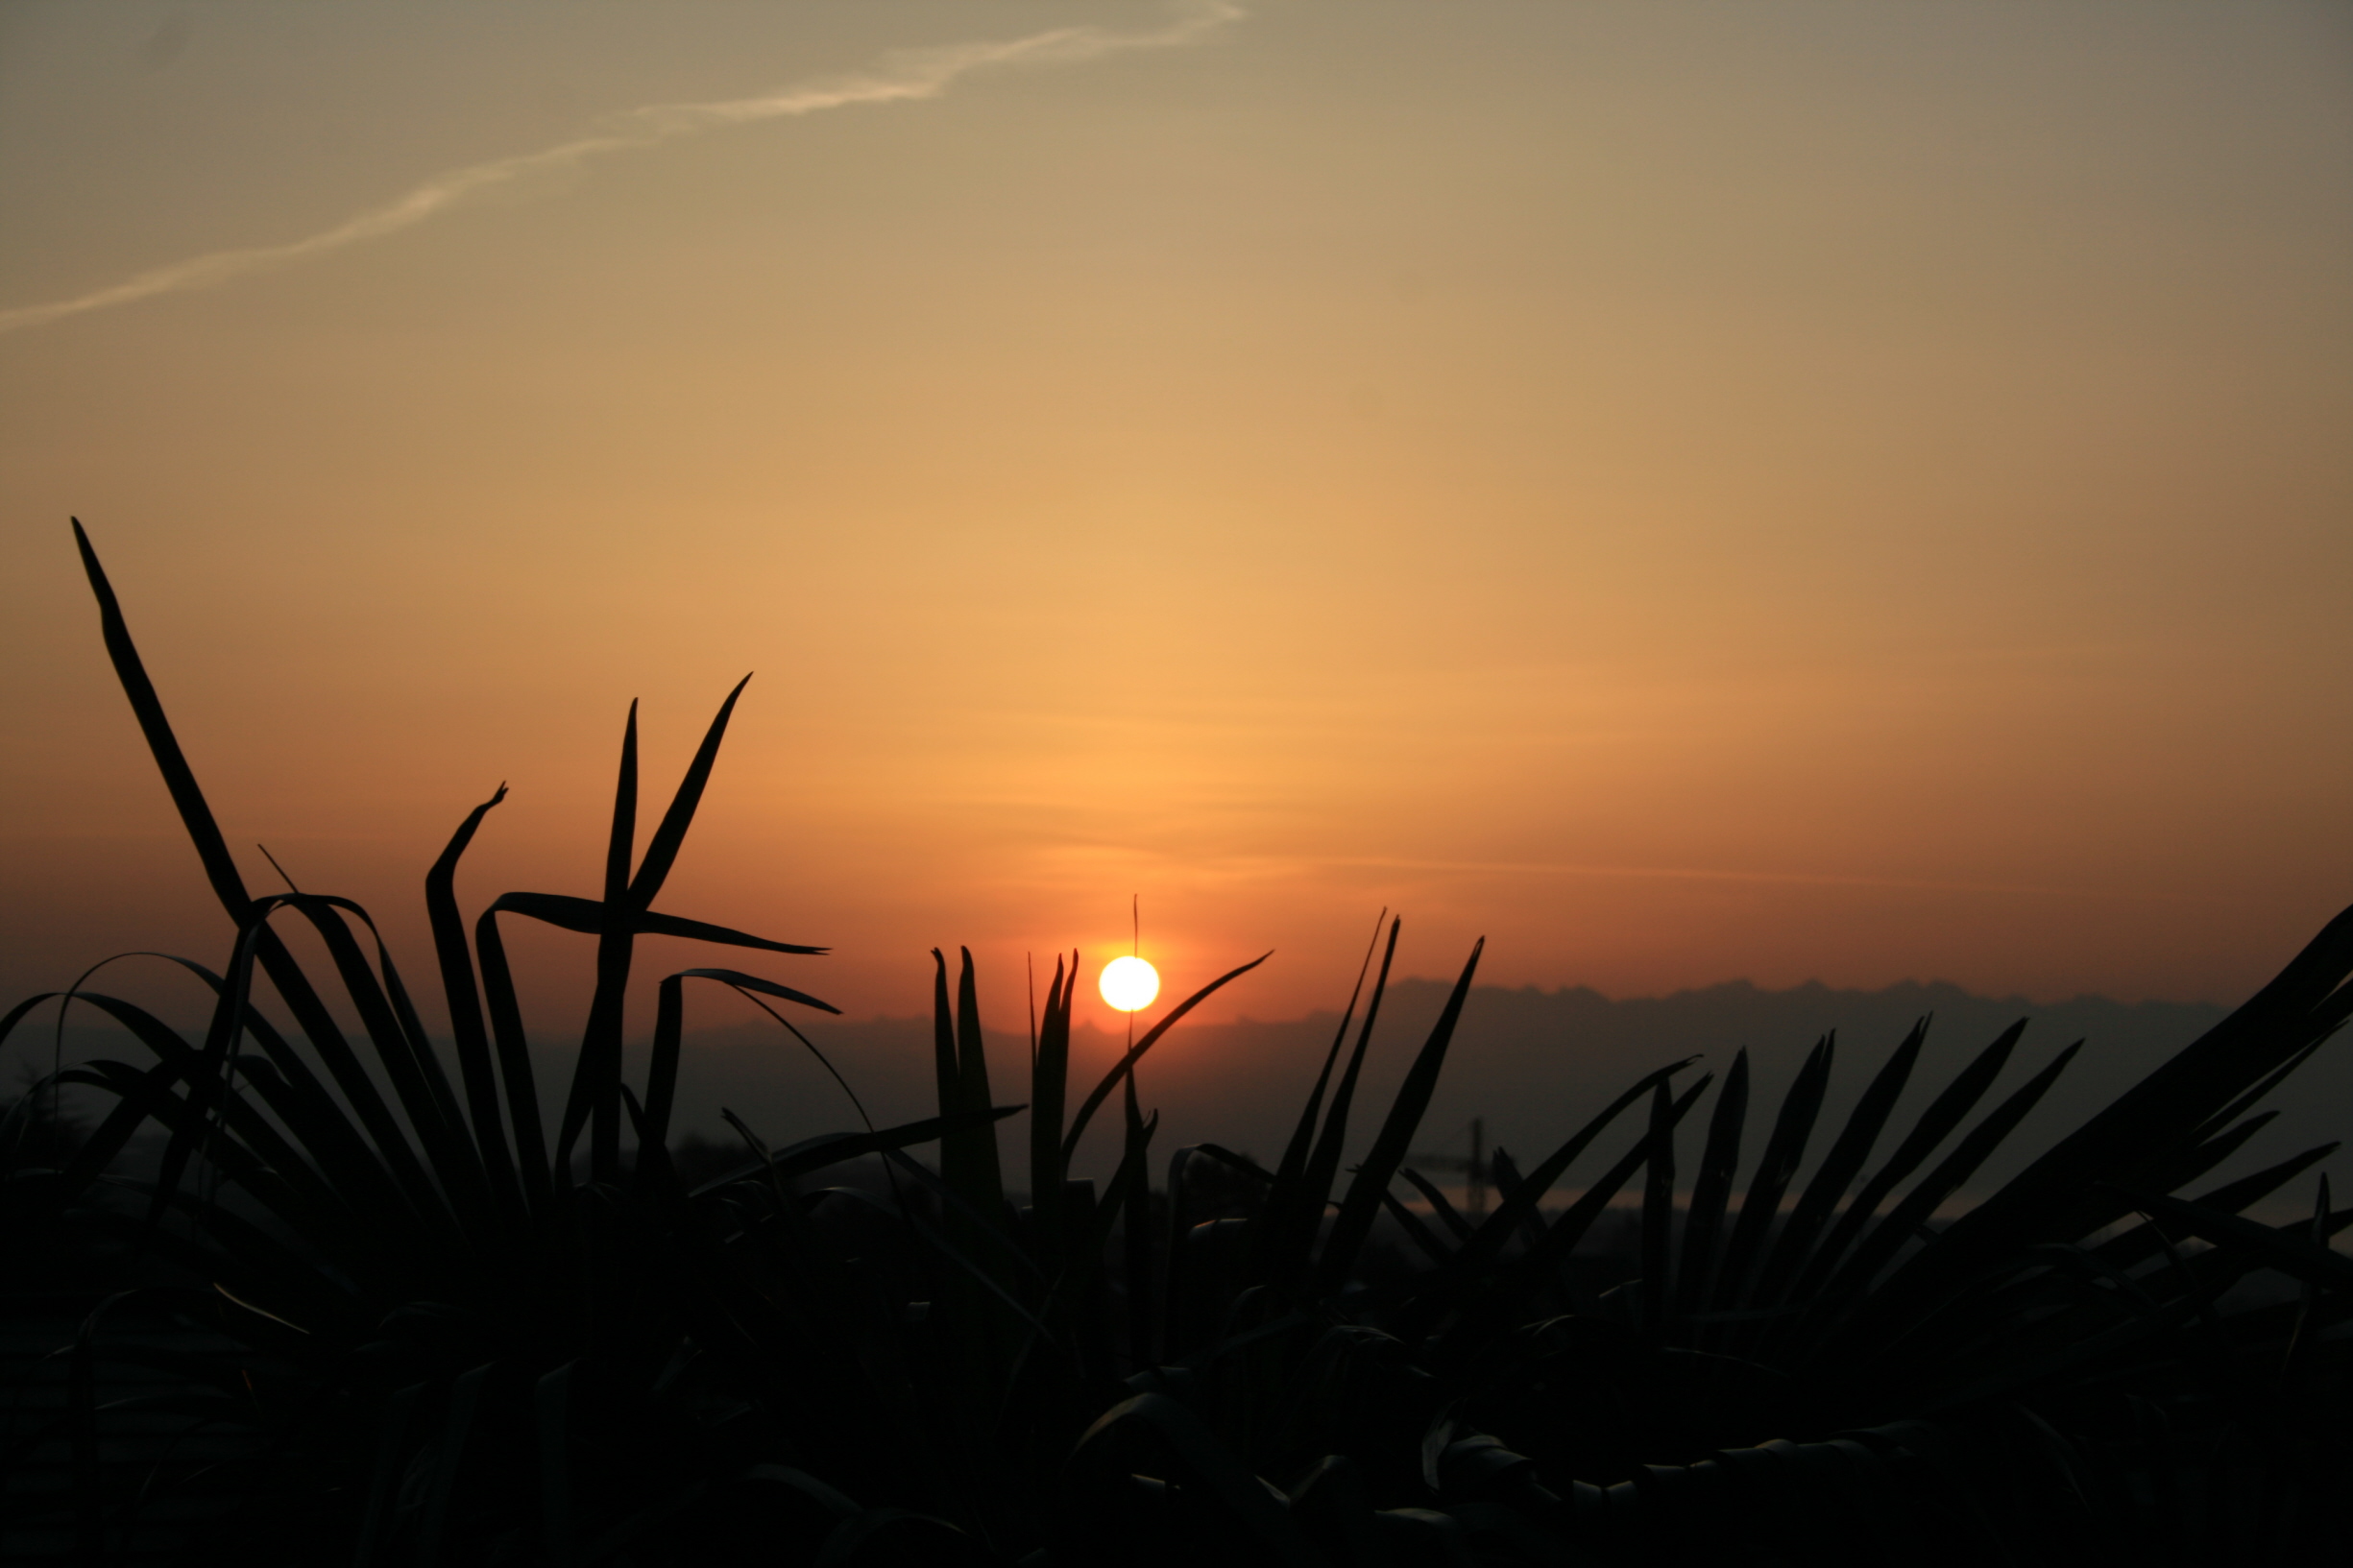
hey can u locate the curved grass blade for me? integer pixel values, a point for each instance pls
(310, 1013)
(394, 1029)
(208, 1078)
(1456, 1225)
(463, 996)
(130, 672)
(1519, 1208)
(662, 1071)
(1135, 1053)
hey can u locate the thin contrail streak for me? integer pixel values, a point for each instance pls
(898, 78)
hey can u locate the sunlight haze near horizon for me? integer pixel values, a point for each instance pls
(1687, 491)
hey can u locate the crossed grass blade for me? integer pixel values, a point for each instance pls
(1485, 1245)
(1354, 1222)
(1283, 1229)
(2058, 1193)
(1847, 1297)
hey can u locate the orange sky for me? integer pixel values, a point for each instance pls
(1690, 492)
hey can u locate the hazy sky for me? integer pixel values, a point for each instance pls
(1690, 492)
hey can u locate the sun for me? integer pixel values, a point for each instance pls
(1129, 985)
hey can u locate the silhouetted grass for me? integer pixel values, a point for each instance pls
(468, 1337)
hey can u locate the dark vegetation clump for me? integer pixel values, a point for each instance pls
(360, 1305)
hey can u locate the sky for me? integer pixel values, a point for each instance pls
(1687, 491)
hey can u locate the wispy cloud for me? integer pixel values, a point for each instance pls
(897, 78)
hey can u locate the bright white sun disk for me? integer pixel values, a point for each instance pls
(1129, 985)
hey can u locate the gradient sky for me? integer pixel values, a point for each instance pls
(1690, 492)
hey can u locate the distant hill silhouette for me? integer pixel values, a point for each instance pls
(1534, 1064)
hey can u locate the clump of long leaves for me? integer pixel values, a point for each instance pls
(466, 1347)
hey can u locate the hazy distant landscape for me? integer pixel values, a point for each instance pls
(1532, 1063)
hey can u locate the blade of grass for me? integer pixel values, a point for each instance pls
(513, 1061)
(1136, 1263)
(586, 917)
(1049, 1085)
(1718, 1162)
(984, 1177)
(594, 1106)
(671, 834)
(463, 996)
(294, 986)
(1785, 1150)
(1795, 1244)
(1389, 1147)
(1657, 1208)
(1287, 1220)
(1294, 1265)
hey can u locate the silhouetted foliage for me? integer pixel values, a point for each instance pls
(442, 1331)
